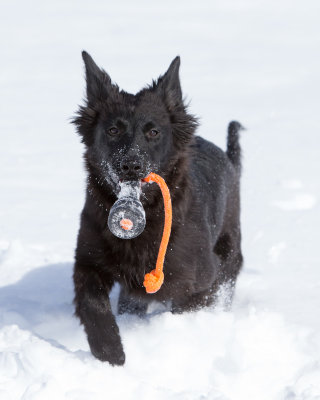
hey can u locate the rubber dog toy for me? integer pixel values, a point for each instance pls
(127, 220)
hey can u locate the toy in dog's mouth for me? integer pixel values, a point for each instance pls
(127, 220)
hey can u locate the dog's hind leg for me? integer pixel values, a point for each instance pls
(196, 301)
(130, 305)
(192, 303)
(229, 250)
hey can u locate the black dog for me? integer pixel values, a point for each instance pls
(127, 136)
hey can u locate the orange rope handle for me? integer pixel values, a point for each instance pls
(154, 280)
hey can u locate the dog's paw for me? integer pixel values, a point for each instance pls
(111, 352)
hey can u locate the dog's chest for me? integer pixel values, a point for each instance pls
(133, 256)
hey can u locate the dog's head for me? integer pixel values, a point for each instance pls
(127, 136)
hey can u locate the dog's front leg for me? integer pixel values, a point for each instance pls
(94, 310)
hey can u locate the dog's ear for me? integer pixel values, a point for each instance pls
(98, 81)
(169, 85)
(169, 89)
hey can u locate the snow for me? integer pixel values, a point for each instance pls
(255, 61)
(301, 201)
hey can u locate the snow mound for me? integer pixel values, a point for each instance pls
(211, 354)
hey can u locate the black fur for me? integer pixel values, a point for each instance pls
(153, 131)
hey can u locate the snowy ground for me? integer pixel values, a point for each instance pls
(254, 60)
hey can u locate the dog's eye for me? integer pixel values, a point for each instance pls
(113, 131)
(153, 133)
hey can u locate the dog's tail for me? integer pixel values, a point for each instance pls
(233, 145)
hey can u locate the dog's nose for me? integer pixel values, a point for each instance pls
(130, 167)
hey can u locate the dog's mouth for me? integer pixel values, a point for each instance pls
(146, 192)
(140, 183)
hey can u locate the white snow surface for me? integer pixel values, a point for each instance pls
(256, 61)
